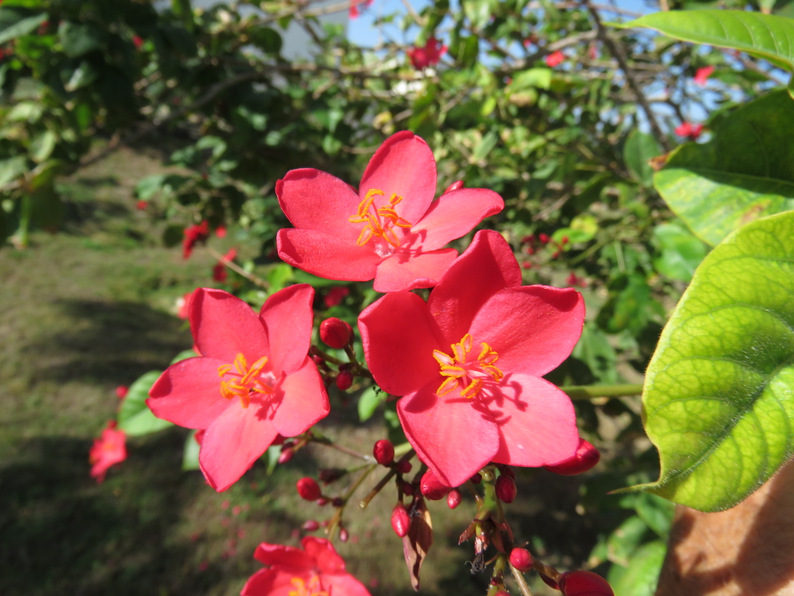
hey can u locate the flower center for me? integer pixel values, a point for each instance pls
(242, 380)
(468, 374)
(380, 220)
(312, 588)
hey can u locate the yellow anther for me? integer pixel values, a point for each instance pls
(379, 220)
(244, 380)
(469, 375)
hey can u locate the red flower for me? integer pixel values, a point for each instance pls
(390, 230)
(253, 380)
(689, 130)
(141, 205)
(219, 270)
(427, 55)
(109, 449)
(122, 391)
(354, 4)
(470, 363)
(183, 305)
(137, 41)
(317, 570)
(574, 281)
(554, 59)
(193, 235)
(702, 75)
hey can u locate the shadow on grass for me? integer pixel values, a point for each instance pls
(110, 342)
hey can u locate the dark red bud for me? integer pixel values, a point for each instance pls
(432, 488)
(311, 525)
(521, 559)
(383, 451)
(586, 457)
(584, 583)
(544, 238)
(477, 478)
(344, 380)
(285, 455)
(400, 520)
(506, 490)
(335, 333)
(338, 502)
(308, 489)
(329, 475)
(454, 498)
(403, 467)
(407, 488)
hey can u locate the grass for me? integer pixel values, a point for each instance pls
(92, 308)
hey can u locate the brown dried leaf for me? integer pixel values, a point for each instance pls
(418, 541)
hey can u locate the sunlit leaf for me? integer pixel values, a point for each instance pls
(745, 172)
(719, 393)
(134, 417)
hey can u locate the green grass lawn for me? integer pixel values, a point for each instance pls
(92, 307)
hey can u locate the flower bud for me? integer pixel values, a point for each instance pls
(457, 185)
(506, 490)
(454, 498)
(584, 583)
(329, 475)
(403, 467)
(586, 457)
(383, 451)
(344, 535)
(311, 525)
(521, 559)
(285, 455)
(344, 380)
(308, 489)
(431, 487)
(400, 520)
(335, 333)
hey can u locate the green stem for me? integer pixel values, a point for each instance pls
(595, 391)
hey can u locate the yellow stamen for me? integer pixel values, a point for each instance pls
(244, 380)
(380, 220)
(307, 589)
(459, 372)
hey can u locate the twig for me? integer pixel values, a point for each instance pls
(522, 583)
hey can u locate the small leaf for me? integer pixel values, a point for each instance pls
(640, 577)
(681, 252)
(16, 21)
(135, 418)
(719, 390)
(368, 402)
(743, 173)
(765, 36)
(190, 454)
(639, 149)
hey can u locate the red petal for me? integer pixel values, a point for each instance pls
(316, 200)
(408, 272)
(399, 337)
(532, 328)
(324, 554)
(486, 267)
(452, 437)
(287, 315)
(188, 393)
(344, 583)
(326, 254)
(233, 442)
(536, 422)
(403, 165)
(304, 401)
(268, 582)
(224, 326)
(455, 214)
(279, 555)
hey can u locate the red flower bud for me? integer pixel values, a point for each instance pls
(308, 489)
(454, 498)
(400, 520)
(586, 457)
(285, 455)
(521, 559)
(506, 490)
(344, 535)
(584, 583)
(311, 525)
(457, 185)
(403, 467)
(335, 333)
(383, 452)
(431, 487)
(344, 380)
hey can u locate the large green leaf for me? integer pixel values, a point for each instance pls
(766, 36)
(719, 391)
(745, 172)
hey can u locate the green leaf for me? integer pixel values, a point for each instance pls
(11, 168)
(745, 172)
(368, 402)
(135, 418)
(640, 147)
(623, 542)
(16, 21)
(765, 36)
(719, 390)
(80, 38)
(190, 453)
(640, 577)
(680, 251)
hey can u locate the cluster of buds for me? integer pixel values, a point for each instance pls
(337, 334)
(535, 246)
